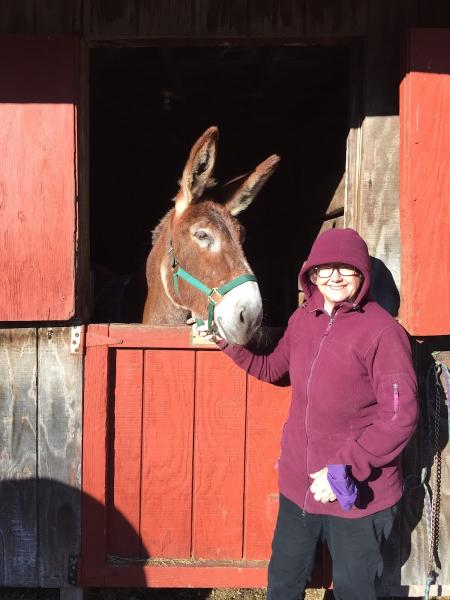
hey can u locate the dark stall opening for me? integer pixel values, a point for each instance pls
(149, 105)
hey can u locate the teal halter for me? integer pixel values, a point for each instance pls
(214, 294)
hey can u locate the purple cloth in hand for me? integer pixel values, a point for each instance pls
(343, 486)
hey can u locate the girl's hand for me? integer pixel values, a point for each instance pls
(321, 488)
(202, 331)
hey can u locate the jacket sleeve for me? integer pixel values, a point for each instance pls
(390, 368)
(267, 367)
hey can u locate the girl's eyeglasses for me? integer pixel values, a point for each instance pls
(327, 271)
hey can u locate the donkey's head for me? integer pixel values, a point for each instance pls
(200, 249)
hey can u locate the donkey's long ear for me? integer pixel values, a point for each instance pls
(198, 169)
(250, 186)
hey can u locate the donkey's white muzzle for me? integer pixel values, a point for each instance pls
(239, 314)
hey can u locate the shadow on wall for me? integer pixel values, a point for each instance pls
(383, 288)
(406, 557)
(40, 534)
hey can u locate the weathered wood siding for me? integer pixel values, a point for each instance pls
(407, 550)
(40, 456)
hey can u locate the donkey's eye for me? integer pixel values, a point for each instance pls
(202, 236)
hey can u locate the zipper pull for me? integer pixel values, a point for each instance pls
(396, 397)
(330, 323)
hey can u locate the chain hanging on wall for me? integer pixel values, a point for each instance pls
(432, 499)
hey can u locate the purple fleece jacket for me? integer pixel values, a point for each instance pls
(354, 390)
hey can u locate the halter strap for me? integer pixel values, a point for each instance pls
(214, 294)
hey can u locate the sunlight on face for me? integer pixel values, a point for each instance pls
(337, 283)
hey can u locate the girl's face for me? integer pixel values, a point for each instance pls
(337, 283)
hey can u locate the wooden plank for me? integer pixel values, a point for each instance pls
(83, 281)
(145, 336)
(354, 140)
(59, 414)
(18, 522)
(37, 177)
(337, 202)
(425, 195)
(220, 414)
(333, 223)
(336, 17)
(218, 18)
(378, 212)
(168, 423)
(434, 14)
(406, 553)
(267, 409)
(106, 19)
(277, 18)
(17, 16)
(54, 16)
(177, 576)
(125, 431)
(95, 444)
(164, 18)
(72, 593)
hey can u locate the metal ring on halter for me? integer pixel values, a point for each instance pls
(215, 292)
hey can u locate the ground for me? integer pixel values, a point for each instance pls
(140, 594)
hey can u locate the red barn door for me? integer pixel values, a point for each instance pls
(38, 192)
(179, 454)
(425, 184)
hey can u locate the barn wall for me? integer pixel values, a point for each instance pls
(39, 379)
(369, 192)
(40, 459)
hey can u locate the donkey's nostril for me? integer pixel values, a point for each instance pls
(241, 316)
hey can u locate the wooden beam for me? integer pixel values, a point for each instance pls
(18, 484)
(59, 414)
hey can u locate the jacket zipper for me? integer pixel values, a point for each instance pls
(308, 385)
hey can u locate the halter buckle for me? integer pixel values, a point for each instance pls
(215, 292)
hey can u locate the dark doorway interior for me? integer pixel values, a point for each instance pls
(148, 106)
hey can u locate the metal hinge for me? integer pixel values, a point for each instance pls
(80, 340)
(72, 570)
(76, 335)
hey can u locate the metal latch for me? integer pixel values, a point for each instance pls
(96, 339)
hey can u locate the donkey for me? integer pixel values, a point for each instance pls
(197, 266)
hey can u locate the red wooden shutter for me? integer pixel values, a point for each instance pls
(425, 184)
(38, 100)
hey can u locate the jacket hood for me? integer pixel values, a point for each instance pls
(336, 246)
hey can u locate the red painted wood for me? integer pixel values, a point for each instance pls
(38, 97)
(125, 482)
(267, 409)
(95, 440)
(425, 189)
(218, 457)
(167, 453)
(208, 489)
(146, 336)
(179, 576)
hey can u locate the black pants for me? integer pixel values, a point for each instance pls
(354, 546)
